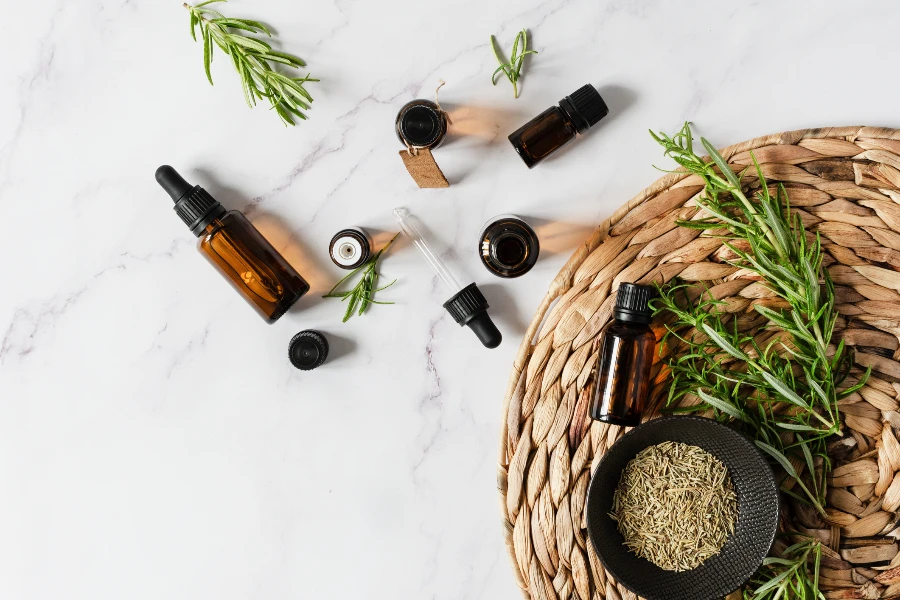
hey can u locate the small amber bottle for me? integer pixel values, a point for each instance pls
(557, 126)
(236, 248)
(622, 375)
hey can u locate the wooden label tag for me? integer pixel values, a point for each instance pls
(420, 164)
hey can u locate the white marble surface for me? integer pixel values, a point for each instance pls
(154, 440)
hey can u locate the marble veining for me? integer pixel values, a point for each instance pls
(154, 440)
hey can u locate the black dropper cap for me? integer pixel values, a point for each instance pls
(633, 303)
(308, 349)
(469, 307)
(192, 203)
(585, 106)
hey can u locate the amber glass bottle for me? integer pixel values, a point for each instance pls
(236, 248)
(557, 126)
(622, 375)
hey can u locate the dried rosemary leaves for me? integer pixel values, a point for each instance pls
(675, 505)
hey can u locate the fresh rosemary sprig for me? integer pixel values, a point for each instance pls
(251, 58)
(513, 68)
(784, 394)
(363, 293)
(789, 575)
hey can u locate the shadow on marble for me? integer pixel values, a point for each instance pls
(503, 310)
(473, 128)
(481, 125)
(558, 237)
(339, 346)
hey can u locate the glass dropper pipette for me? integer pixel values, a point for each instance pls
(468, 305)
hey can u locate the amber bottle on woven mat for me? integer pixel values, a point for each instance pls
(622, 375)
(236, 248)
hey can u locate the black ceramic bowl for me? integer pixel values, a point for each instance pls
(742, 554)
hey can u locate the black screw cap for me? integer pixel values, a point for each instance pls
(308, 349)
(633, 303)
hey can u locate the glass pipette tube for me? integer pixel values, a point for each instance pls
(405, 219)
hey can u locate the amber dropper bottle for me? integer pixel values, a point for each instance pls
(557, 126)
(622, 376)
(236, 248)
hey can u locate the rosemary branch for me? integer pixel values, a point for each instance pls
(251, 58)
(784, 394)
(363, 293)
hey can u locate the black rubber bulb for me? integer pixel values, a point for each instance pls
(485, 329)
(172, 182)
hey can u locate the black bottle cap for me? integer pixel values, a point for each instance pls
(633, 303)
(192, 203)
(421, 123)
(308, 349)
(585, 106)
(469, 307)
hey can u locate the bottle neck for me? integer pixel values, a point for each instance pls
(632, 320)
(572, 116)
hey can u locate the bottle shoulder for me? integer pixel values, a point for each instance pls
(629, 330)
(232, 219)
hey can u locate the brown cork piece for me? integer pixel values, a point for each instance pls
(424, 170)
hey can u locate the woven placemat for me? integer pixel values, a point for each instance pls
(844, 182)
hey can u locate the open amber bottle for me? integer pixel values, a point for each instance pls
(236, 248)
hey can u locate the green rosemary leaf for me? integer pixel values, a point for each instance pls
(194, 21)
(723, 343)
(238, 24)
(720, 161)
(283, 56)
(255, 24)
(207, 55)
(780, 458)
(247, 42)
(784, 390)
(799, 427)
(721, 405)
(202, 4)
(774, 582)
(858, 385)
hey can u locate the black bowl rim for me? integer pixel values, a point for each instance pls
(704, 421)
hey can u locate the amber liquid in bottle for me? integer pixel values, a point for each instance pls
(626, 347)
(543, 135)
(236, 248)
(252, 266)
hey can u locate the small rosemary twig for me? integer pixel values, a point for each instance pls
(251, 58)
(793, 573)
(513, 68)
(363, 293)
